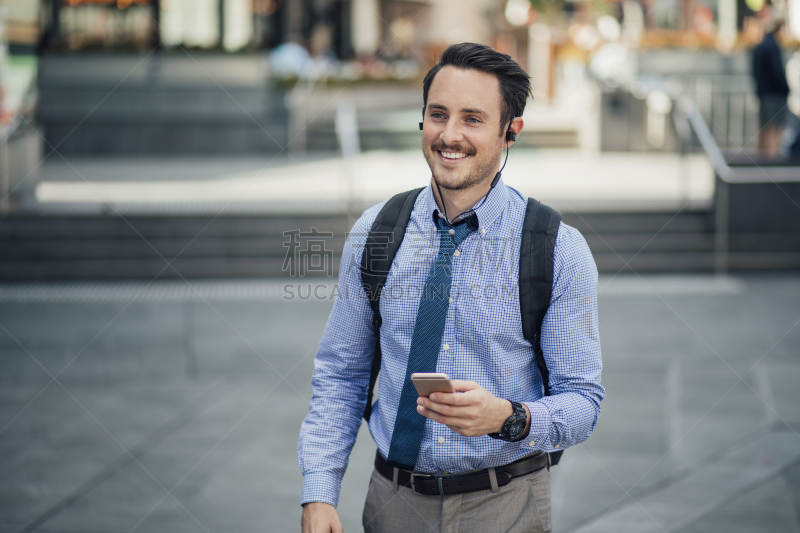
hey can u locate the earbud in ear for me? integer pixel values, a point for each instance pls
(420, 126)
(511, 136)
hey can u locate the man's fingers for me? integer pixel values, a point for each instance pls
(437, 407)
(433, 415)
(464, 385)
(454, 424)
(454, 398)
(440, 418)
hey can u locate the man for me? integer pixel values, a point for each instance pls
(473, 97)
(771, 88)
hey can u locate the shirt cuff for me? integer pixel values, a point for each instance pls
(539, 435)
(321, 487)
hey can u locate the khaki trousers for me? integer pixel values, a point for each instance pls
(521, 506)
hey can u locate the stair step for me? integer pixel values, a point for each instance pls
(135, 248)
(764, 260)
(688, 222)
(769, 242)
(144, 268)
(113, 227)
(654, 262)
(59, 246)
(641, 242)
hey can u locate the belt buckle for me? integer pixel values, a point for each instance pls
(417, 475)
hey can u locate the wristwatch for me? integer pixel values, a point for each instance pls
(514, 426)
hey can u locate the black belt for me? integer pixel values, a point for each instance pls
(441, 484)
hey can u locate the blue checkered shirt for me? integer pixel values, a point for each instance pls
(482, 342)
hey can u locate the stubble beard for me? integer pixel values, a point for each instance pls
(483, 169)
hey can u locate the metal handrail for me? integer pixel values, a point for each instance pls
(687, 110)
(8, 131)
(5, 169)
(688, 118)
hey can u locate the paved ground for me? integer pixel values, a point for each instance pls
(179, 410)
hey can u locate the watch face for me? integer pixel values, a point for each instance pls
(517, 427)
(516, 423)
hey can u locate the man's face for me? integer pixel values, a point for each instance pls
(461, 137)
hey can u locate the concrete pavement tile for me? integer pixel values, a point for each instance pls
(694, 496)
(245, 334)
(768, 507)
(118, 504)
(51, 449)
(783, 379)
(792, 478)
(587, 484)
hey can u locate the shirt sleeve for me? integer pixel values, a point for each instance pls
(341, 376)
(571, 347)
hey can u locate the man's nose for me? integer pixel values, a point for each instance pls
(452, 132)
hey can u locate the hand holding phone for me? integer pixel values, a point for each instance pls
(428, 382)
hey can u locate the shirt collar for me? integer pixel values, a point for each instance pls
(487, 211)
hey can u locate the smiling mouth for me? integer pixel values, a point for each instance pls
(452, 156)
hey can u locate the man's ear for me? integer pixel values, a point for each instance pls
(515, 127)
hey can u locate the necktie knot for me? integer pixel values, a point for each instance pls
(454, 234)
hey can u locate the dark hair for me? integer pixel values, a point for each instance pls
(515, 84)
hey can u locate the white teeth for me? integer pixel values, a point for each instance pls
(453, 155)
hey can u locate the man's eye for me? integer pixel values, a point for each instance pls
(437, 115)
(473, 120)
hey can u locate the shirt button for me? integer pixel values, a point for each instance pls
(452, 232)
(532, 443)
(446, 347)
(451, 299)
(556, 446)
(456, 253)
(483, 230)
(441, 440)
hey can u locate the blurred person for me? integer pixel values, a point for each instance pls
(291, 59)
(771, 87)
(792, 134)
(481, 453)
(325, 60)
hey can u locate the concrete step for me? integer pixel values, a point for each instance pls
(650, 242)
(135, 248)
(232, 245)
(691, 242)
(105, 246)
(641, 222)
(71, 269)
(163, 226)
(613, 262)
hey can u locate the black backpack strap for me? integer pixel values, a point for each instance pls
(383, 241)
(537, 248)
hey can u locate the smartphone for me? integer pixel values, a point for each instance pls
(428, 382)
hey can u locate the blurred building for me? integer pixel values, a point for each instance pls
(390, 28)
